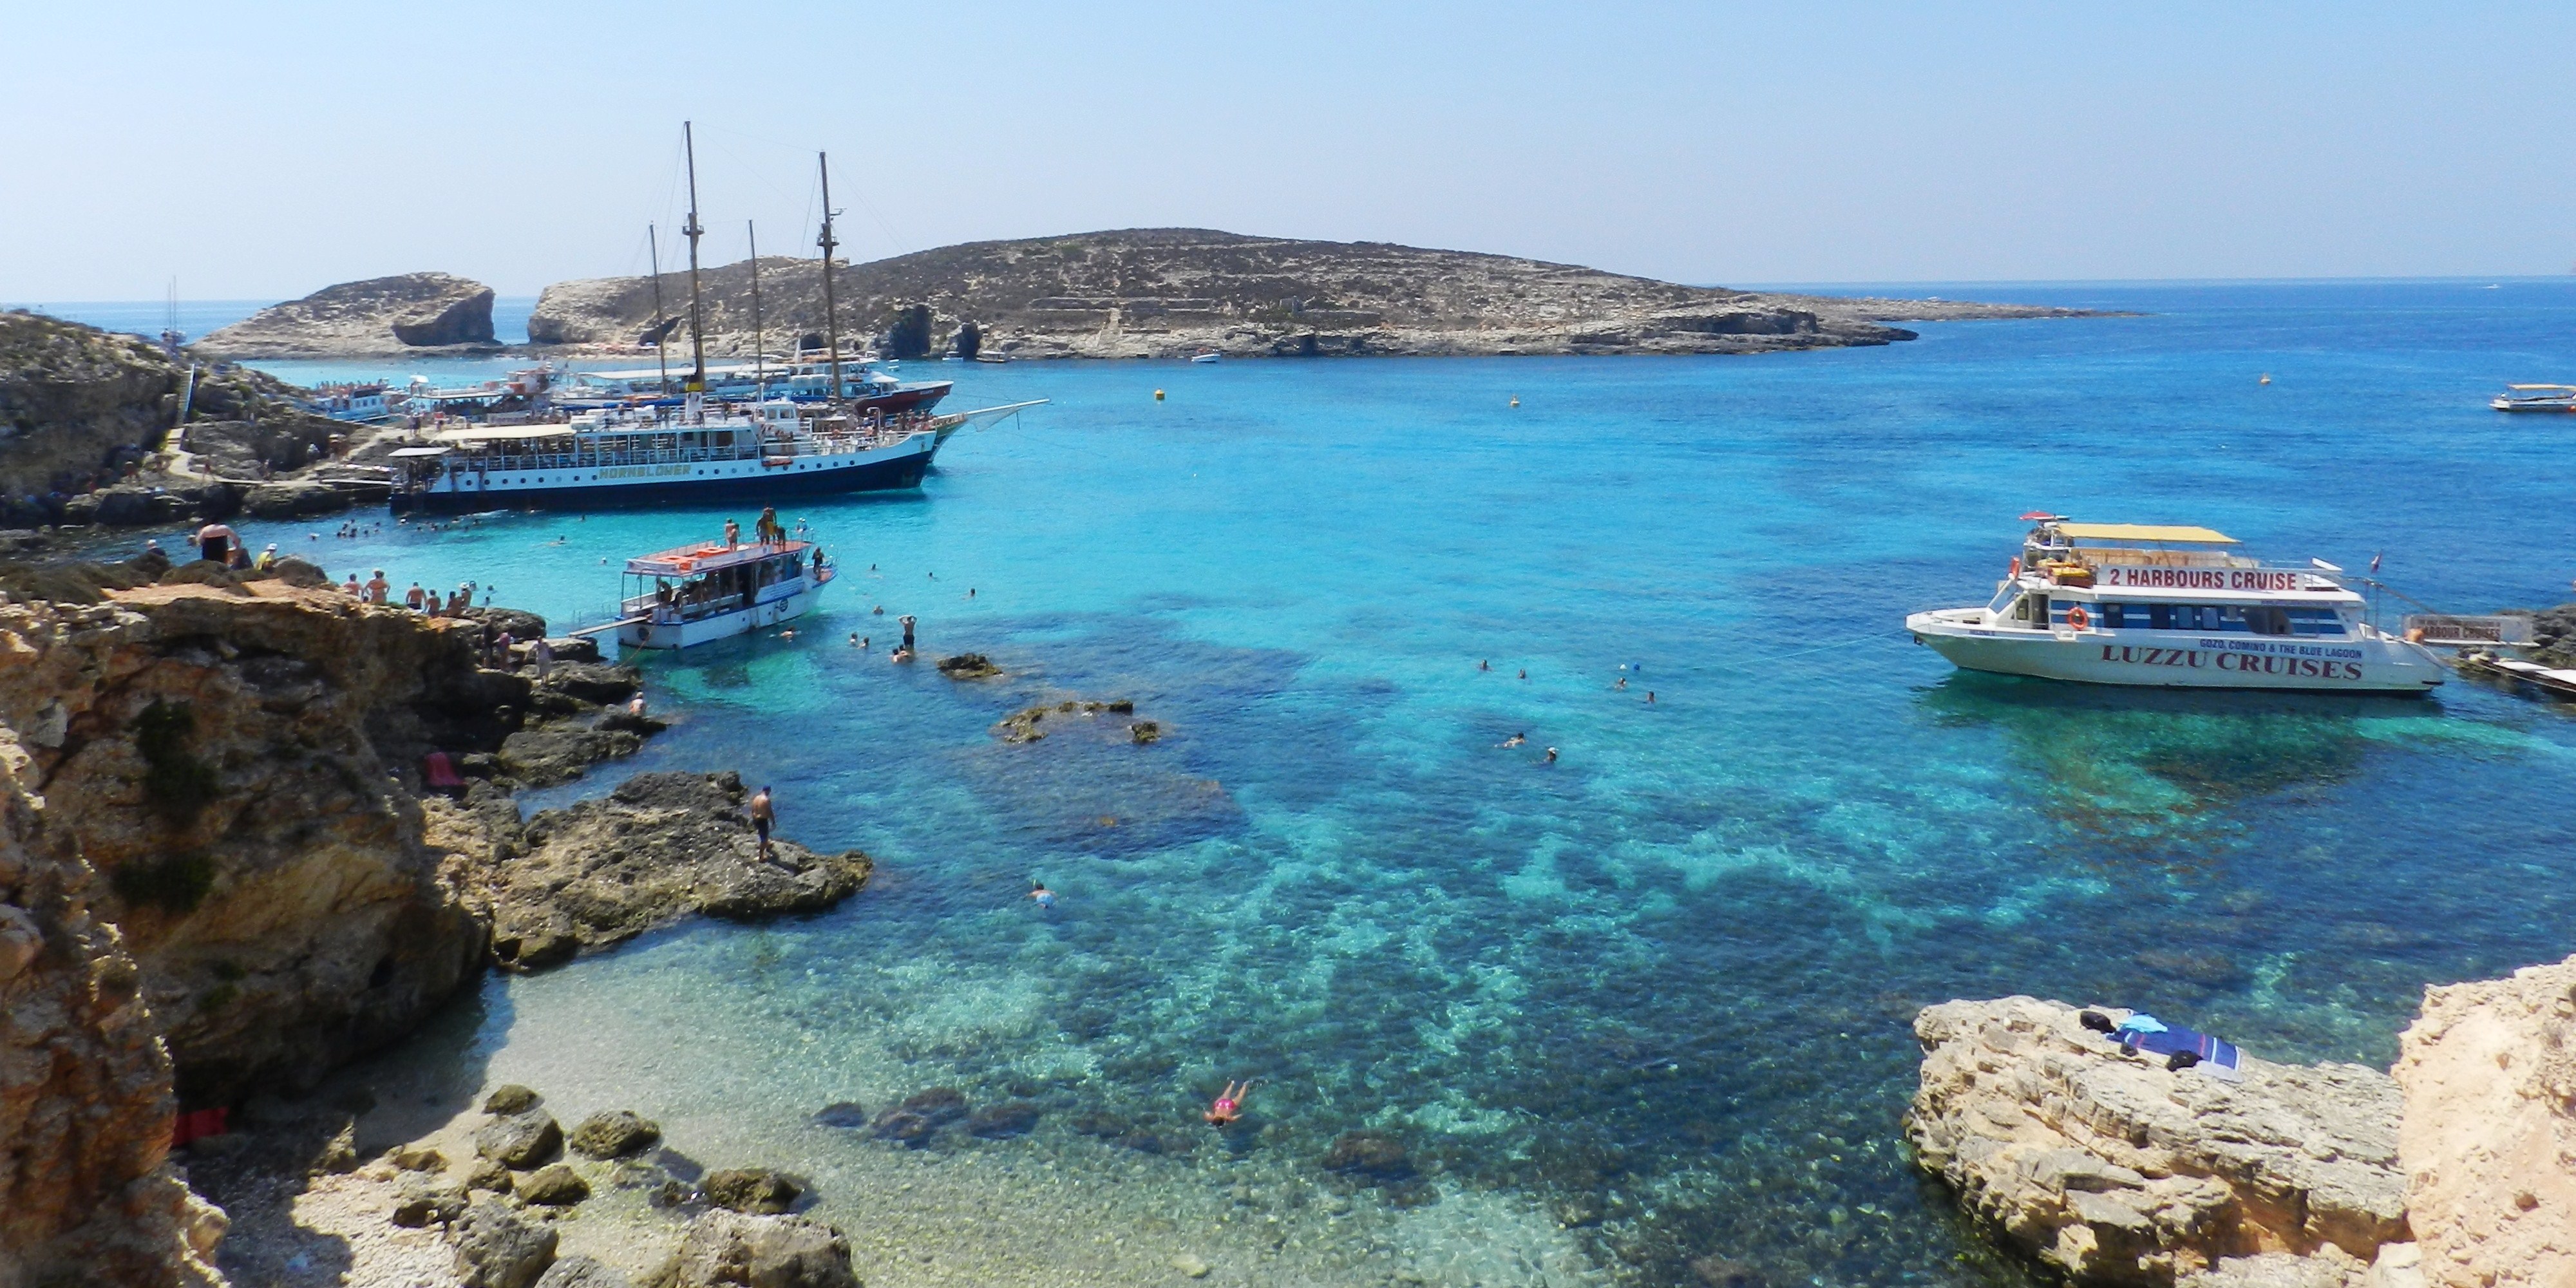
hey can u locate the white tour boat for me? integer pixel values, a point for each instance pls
(2172, 607)
(713, 591)
(2536, 398)
(662, 455)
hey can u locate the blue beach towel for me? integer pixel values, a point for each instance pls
(2218, 1059)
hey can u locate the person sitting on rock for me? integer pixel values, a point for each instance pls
(1229, 1104)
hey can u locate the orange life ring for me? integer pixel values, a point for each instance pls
(2015, 569)
(2079, 619)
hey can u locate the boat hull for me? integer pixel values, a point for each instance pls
(2180, 659)
(874, 472)
(703, 630)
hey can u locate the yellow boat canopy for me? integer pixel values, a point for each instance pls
(2145, 532)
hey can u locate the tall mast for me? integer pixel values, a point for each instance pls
(697, 333)
(759, 360)
(653, 247)
(831, 318)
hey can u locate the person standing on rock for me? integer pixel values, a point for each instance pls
(764, 816)
(352, 589)
(544, 654)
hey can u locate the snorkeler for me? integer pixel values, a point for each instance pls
(1229, 1104)
(1513, 741)
(1039, 892)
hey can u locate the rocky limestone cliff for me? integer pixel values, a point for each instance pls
(1168, 292)
(382, 315)
(2489, 1138)
(86, 1192)
(239, 764)
(86, 416)
(2115, 1170)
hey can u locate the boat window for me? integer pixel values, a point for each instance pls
(2003, 597)
(2112, 612)
(2039, 612)
(2160, 616)
(2267, 621)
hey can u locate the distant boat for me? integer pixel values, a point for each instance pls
(2536, 398)
(994, 358)
(1208, 356)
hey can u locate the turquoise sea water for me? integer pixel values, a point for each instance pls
(1660, 989)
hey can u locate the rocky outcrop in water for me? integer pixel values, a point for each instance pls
(382, 315)
(86, 1194)
(1172, 292)
(2489, 1073)
(659, 847)
(2114, 1169)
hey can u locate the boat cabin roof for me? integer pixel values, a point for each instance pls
(712, 556)
(503, 433)
(2159, 532)
(2552, 388)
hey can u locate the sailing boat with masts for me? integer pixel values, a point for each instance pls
(702, 448)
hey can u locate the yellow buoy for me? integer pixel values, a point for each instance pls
(1158, 395)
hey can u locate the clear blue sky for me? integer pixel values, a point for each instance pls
(265, 150)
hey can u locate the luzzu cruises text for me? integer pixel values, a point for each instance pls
(2173, 607)
(698, 451)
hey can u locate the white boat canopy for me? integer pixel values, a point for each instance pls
(504, 433)
(421, 451)
(2146, 532)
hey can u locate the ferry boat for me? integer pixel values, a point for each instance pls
(2536, 398)
(714, 591)
(2172, 607)
(693, 453)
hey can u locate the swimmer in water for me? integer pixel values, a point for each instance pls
(1525, 673)
(1650, 697)
(1485, 666)
(854, 639)
(788, 634)
(1551, 755)
(1513, 741)
(1228, 1105)
(1622, 686)
(1039, 892)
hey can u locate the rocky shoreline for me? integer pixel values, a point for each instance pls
(226, 870)
(2112, 1168)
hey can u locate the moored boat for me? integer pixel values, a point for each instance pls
(2536, 398)
(2172, 607)
(698, 453)
(714, 591)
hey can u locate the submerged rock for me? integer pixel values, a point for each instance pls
(1373, 1155)
(1145, 731)
(1029, 724)
(615, 1134)
(1008, 1118)
(751, 1189)
(724, 1249)
(2117, 1170)
(659, 847)
(842, 1113)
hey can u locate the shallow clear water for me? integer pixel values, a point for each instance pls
(1666, 980)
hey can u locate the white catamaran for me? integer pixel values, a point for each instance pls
(2172, 607)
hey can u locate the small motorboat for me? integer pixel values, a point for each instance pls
(1206, 355)
(2536, 398)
